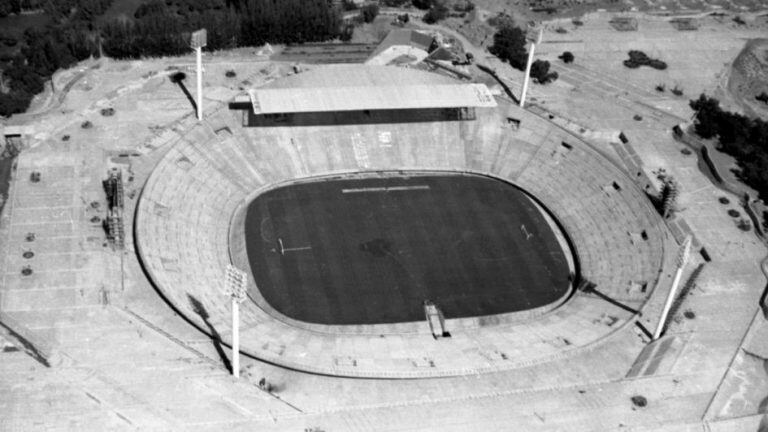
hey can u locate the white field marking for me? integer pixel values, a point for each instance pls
(261, 229)
(295, 249)
(284, 249)
(386, 189)
(358, 148)
(525, 231)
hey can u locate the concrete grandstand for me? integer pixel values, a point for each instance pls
(189, 226)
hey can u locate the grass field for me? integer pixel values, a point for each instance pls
(372, 250)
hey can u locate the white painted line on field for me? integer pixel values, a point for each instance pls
(386, 189)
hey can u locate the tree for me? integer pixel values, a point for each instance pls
(369, 12)
(437, 12)
(707, 115)
(158, 27)
(422, 4)
(540, 69)
(509, 45)
(347, 32)
(566, 57)
(14, 102)
(743, 138)
(6, 8)
(540, 72)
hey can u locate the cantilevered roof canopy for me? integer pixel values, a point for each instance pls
(376, 97)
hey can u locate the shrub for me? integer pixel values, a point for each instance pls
(566, 57)
(639, 58)
(744, 225)
(10, 41)
(230, 74)
(677, 91)
(639, 401)
(762, 97)
(657, 64)
(86, 124)
(765, 221)
(501, 20)
(661, 88)
(108, 112)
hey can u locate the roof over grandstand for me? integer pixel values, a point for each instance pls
(358, 87)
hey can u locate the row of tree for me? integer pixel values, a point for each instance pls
(8, 7)
(157, 28)
(744, 138)
(43, 52)
(58, 10)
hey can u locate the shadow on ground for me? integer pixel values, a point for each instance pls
(178, 79)
(199, 309)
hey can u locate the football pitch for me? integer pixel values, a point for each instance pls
(370, 250)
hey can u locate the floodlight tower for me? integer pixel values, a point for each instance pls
(198, 41)
(235, 281)
(534, 40)
(682, 258)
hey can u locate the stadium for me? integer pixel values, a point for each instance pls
(415, 250)
(397, 223)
